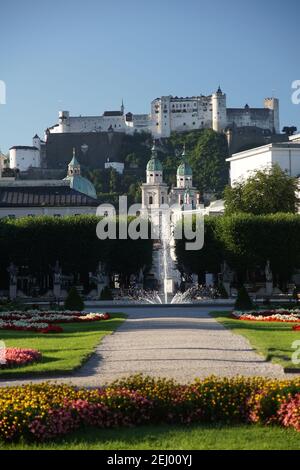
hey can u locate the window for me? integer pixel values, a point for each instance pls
(162, 200)
(150, 200)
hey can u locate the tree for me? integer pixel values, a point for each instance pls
(246, 242)
(289, 130)
(74, 301)
(208, 161)
(266, 191)
(243, 301)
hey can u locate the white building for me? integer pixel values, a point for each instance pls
(74, 195)
(295, 138)
(23, 157)
(117, 166)
(285, 154)
(180, 114)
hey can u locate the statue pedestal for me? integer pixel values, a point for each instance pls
(226, 285)
(57, 291)
(209, 279)
(269, 288)
(12, 291)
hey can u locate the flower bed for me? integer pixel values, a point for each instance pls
(17, 357)
(276, 315)
(46, 411)
(44, 321)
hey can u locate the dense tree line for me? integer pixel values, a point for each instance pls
(206, 152)
(246, 242)
(38, 242)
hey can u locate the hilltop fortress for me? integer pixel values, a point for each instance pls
(99, 139)
(170, 114)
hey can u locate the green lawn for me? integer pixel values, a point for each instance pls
(62, 352)
(271, 339)
(174, 437)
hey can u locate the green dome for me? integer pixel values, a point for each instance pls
(184, 169)
(154, 165)
(83, 185)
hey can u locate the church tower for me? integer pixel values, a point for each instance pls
(184, 173)
(74, 166)
(154, 191)
(219, 111)
(184, 192)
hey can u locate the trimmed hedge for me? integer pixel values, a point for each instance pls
(74, 301)
(243, 301)
(246, 242)
(38, 242)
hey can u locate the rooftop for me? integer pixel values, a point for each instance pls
(44, 196)
(264, 148)
(23, 147)
(112, 113)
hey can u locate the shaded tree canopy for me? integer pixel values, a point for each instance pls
(266, 191)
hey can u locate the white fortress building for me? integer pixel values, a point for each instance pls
(170, 114)
(23, 157)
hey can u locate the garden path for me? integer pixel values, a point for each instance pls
(182, 343)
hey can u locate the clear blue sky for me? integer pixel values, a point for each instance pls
(85, 56)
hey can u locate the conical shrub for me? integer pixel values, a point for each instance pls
(74, 301)
(243, 301)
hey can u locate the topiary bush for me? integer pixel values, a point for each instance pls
(222, 291)
(74, 301)
(243, 301)
(106, 294)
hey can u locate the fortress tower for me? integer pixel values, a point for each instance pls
(273, 104)
(219, 114)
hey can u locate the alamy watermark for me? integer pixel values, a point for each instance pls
(2, 353)
(2, 92)
(296, 354)
(163, 222)
(296, 92)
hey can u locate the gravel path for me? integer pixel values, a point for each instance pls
(182, 343)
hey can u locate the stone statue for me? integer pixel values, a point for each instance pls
(100, 273)
(268, 272)
(57, 273)
(226, 273)
(13, 271)
(141, 277)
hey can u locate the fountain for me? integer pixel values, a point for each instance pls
(165, 271)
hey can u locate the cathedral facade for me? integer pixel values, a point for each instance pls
(155, 192)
